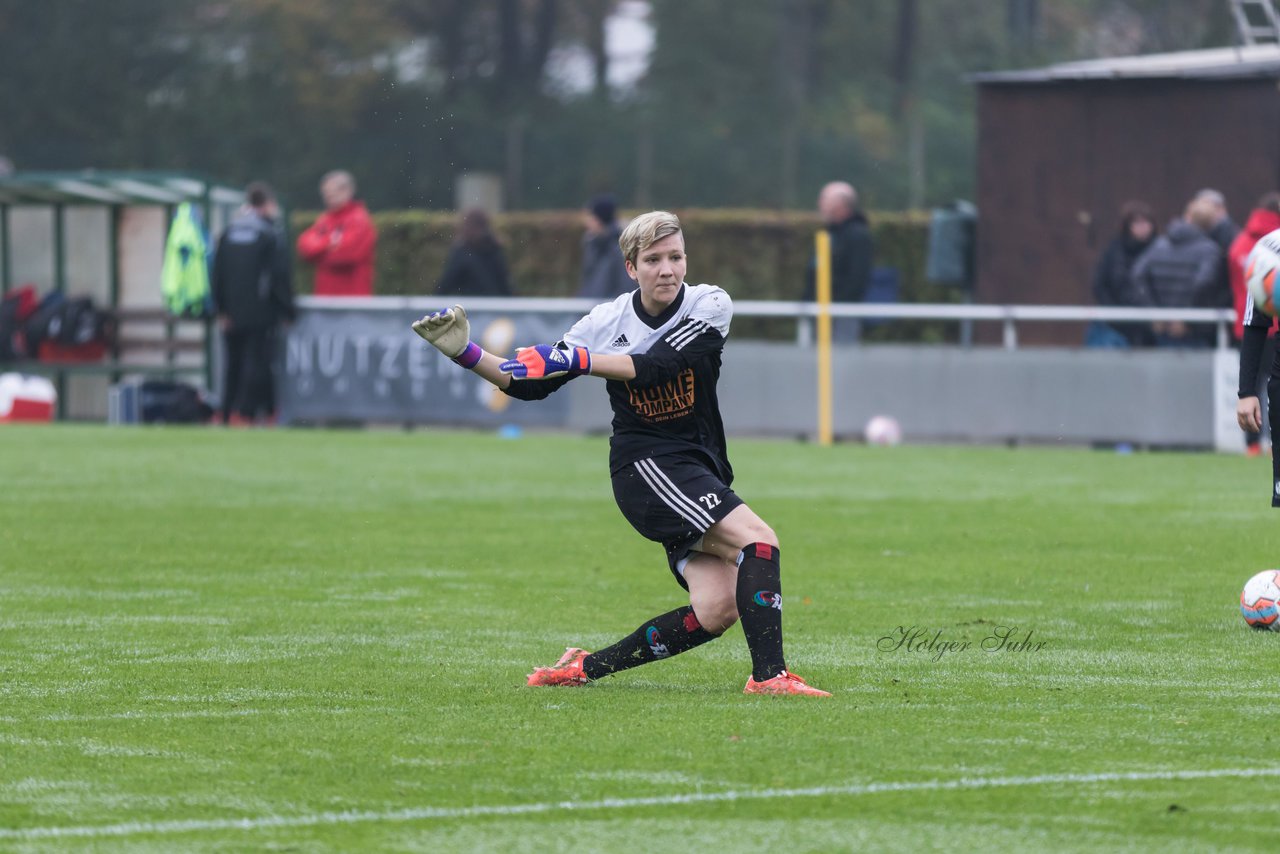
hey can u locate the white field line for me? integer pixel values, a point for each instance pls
(140, 715)
(143, 828)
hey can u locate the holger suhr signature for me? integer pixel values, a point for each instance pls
(931, 642)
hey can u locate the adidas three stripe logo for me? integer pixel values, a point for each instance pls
(686, 332)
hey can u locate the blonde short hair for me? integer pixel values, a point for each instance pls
(646, 230)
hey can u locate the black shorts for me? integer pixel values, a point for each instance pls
(673, 500)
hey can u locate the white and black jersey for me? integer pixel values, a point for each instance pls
(1254, 317)
(1257, 325)
(671, 405)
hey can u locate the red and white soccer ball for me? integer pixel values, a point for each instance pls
(882, 430)
(1260, 272)
(1260, 600)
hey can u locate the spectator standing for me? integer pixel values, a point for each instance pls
(341, 242)
(1224, 230)
(604, 270)
(252, 294)
(1263, 219)
(477, 265)
(1183, 268)
(1112, 280)
(851, 252)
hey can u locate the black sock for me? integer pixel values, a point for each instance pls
(662, 637)
(760, 608)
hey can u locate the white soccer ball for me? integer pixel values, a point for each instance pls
(882, 430)
(1260, 272)
(1260, 600)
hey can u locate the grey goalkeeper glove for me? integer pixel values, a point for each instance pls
(448, 331)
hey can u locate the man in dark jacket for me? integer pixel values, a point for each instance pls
(1184, 268)
(851, 252)
(253, 294)
(1224, 230)
(604, 271)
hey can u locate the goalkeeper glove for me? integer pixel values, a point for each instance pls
(450, 333)
(545, 362)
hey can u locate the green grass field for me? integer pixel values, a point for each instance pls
(215, 640)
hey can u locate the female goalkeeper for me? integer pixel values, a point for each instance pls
(658, 350)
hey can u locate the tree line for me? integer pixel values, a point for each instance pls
(744, 103)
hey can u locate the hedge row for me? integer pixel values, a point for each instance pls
(753, 254)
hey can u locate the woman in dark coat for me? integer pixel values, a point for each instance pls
(1112, 281)
(476, 265)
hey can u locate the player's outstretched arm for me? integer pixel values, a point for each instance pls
(449, 332)
(611, 366)
(544, 362)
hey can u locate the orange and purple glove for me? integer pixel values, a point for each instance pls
(545, 362)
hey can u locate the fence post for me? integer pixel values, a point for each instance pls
(822, 246)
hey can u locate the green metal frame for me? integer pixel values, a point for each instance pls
(59, 247)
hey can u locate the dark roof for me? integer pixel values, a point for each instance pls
(1261, 60)
(92, 187)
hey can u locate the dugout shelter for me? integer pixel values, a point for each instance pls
(102, 234)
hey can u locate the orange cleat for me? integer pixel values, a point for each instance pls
(566, 671)
(1253, 450)
(783, 683)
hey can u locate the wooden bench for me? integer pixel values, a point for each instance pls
(136, 350)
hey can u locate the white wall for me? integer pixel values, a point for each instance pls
(31, 242)
(88, 252)
(142, 236)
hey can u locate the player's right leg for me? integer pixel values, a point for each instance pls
(566, 671)
(712, 584)
(664, 636)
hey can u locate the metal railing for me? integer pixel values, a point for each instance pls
(1009, 316)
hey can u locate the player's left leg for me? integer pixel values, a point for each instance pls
(744, 538)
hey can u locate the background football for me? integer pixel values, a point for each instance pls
(1258, 600)
(882, 430)
(1260, 272)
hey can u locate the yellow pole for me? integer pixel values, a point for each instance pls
(822, 245)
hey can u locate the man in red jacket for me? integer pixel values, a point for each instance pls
(341, 242)
(1264, 219)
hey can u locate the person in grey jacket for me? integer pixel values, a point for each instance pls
(604, 270)
(1184, 268)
